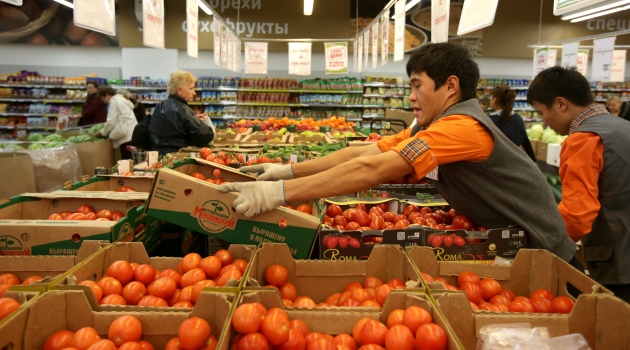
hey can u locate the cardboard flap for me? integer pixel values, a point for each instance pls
(616, 328)
(128, 196)
(88, 248)
(330, 268)
(568, 274)
(455, 306)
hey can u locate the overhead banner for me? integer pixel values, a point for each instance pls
(440, 21)
(153, 23)
(336, 57)
(300, 58)
(477, 14)
(360, 55)
(552, 57)
(97, 15)
(224, 52)
(13, 2)
(354, 56)
(618, 70)
(366, 48)
(216, 26)
(543, 59)
(582, 61)
(230, 50)
(192, 31)
(569, 54)
(384, 38)
(399, 31)
(375, 45)
(602, 58)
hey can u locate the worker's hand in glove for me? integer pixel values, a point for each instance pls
(256, 197)
(270, 172)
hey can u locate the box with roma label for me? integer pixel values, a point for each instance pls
(198, 205)
(337, 244)
(476, 247)
(27, 230)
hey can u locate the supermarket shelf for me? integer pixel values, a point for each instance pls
(269, 104)
(198, 103)
(335, 105)
(611, 89)
(329, 91)
(64, 101)
(383, 96)
(39, 100)
(511, 87)
(217, 88)
(382, 85)
(138, 88)
(266, 90)
(39, 86)
(371, 116)
(532, 120)
(26, 127)
(28, 115)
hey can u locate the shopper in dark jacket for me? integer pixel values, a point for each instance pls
(510, 123)
(94, 109)
(173, 124)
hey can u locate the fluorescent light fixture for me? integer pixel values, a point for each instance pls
(206, 8)
(595, 9)
(603, 13)
(308, 7)
(66, 3)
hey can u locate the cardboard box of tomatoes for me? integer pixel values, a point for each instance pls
(27, 230)
(114, 183)
(602, 319)
(179, 198)
(23, 299)
(56, 311)
(343, 321)
(318, 279)
(96, 266)
(47, 268)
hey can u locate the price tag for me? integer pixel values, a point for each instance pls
(433, 174)
(21, 133)
(293, 158)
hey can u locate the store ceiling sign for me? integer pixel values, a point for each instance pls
(375, 45)
(13, 2)
(359, 63)
(543, 59)
(366, 48)
(216, 26)
(399, 31)
(477, 14)
(153, 23)
(192, 30)
(439, 20)
(618, 70)
(582, 61)
(385, 38)
(224, 46)
(96, 15)
(561, 7)
(602, 58)
(336, 57)
(569, 54)
(300, 58)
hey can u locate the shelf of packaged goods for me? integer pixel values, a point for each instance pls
(521, 98)
(64, 101)
(511, 87)
(383, 96)
(266, 90)
(375, 106)
(329, 105)
(611, 89)
(38, 86)
(329, 91)
(217, 88)
(43, 100)
(532, 120)
(371, 116)
(382, 85)
(219, 103)
(230, 116)
(138, 88)
(523, 109)
(5, 114)
(26, 127)
(269, 104)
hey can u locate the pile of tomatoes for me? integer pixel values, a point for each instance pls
(304, 208)
(372, 292)
(221, 157)
(125, 333)
(487, 294)
(8, 279)
(128, 283)
(259, 328)
(217, 177)
(373, 137)
(86, 212)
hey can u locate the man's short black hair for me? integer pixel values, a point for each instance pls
(556, 82)
(93, 83)
(440, 61)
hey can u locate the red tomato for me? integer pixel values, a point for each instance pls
(508, 294)
(500, 299)
(193, 333)
(299, 326)
(288, 291)
(402, 223)
(198, 288)
(31, 279)
(125, 328)
(276, 275)
(332, 242)
(399, 337)
(377, 223)
(425, 210)
(340, 220)
(211, 266)
(382, 292)
(327, 220)
(55, 217)
(472, 290)
(58, 340)
(253, 341)
(520, 306)
(173, 344)
(304, 208)
(488, 306)
(121, 270)
(304, 302)
(361, 217)
(437, 241)
(354, 243)
(389, 216)
(343, 242)
(146, 345)
(84, 208)
(144, 274)
(84, 338)
(110, 285)
(247, 318)
(103, 344)
(151, 300)
(225, 256)
(199, 176)
(333, 210)
(563, 304)
(125, 189)
(489, 288)
(133, 292)
(117, 215)
(191, 277)
(430, 336)
(410, 209)
(451, 214)
(345, 340)
(77, 216)
(7, 306)
(296, 341)
(473, 306)
(373, 332)
(448, 241)
(416, 316)
(275, 327)
(162, 287)
(541, 293)
(376, 210)
(463, 222)
(467, 276)
(361, 206)
(172, 274)
(96, 289)
(542, 305)
(190, 261)
(459, 241)
(395, 317)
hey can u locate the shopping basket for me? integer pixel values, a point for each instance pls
(137, 154)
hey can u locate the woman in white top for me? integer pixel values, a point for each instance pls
(120, 120)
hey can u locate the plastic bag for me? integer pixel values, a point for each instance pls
(520, 336)
(55, 166)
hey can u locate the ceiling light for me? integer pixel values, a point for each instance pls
(308, 7)
(595, 9)
(206, 8)
(67, 3)
(412, 3)
(603, 13)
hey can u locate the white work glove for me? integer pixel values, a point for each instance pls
(270, 171)
(255, 197)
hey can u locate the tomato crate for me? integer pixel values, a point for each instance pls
(114, 183)
(72, 310)
(336, 321)
(337, 244)
(24, 298)
(321, 278)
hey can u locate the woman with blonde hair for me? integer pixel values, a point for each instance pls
(174, 124)
(618, 108)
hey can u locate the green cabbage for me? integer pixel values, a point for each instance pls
(35, 137)
(549, 136)
(36, 146)
(535, 132)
